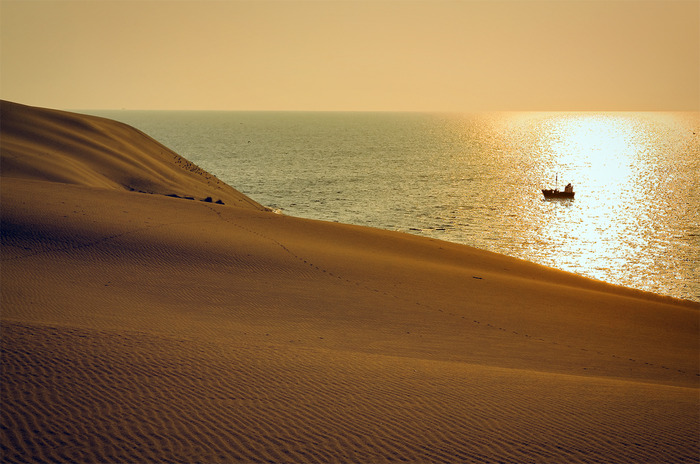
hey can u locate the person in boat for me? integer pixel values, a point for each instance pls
(569, 188)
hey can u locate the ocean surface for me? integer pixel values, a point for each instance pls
(474, 179)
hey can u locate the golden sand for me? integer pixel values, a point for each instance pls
(140, 326)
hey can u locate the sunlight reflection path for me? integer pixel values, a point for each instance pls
(628, 198)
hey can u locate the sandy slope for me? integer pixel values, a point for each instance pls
(140, 327)
(64, 147)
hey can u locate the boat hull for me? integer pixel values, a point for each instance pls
(550, 194)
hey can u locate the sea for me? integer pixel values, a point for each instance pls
(474, 179)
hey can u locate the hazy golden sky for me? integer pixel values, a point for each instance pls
(352, 55)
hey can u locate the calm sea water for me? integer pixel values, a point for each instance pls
(474, 179)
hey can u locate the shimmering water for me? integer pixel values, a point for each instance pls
(475, 179)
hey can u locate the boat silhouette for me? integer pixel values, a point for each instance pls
(556, 194)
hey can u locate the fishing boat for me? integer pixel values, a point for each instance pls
(556, 194)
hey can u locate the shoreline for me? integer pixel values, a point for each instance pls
(566, 238)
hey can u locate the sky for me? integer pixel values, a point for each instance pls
(352, 55)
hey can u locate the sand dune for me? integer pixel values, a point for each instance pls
(138, 327)
(64, 147)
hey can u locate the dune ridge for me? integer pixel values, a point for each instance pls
(146, 328)
(64, 147)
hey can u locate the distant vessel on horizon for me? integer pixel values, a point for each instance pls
(556, 194)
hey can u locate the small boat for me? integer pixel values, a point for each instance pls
(556, 194)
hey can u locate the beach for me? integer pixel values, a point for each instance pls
(152, 313)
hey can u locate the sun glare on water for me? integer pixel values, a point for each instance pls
(605, 146)
(626, 200)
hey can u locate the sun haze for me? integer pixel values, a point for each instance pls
(353, 55)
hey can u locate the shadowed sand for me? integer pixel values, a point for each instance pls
(143, 327)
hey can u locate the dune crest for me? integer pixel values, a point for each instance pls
(145, 328)
(64, 147)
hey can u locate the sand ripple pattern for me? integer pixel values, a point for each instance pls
(82, 395)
